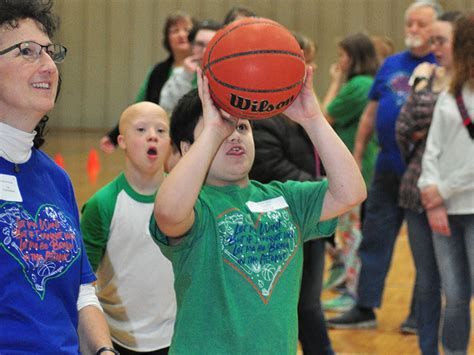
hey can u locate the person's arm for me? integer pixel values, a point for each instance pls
(414, 119)
(429, 178)
(93, 331)
(177, 195)
(365, 131)
(346, 185)
(337, 78)
(95, 225)
(405, 126)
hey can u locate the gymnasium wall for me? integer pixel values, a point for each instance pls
(112, 43)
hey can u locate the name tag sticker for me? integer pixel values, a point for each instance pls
(273, 204)
(9, 190)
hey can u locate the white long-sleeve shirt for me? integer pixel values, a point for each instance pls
(178, 84)
(448, 161)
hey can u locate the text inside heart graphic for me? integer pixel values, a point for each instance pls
(45, 245)
(259, 251)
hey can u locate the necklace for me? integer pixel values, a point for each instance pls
(16, 167)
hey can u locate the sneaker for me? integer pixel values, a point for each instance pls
(337, 275)
(341, 303)
(409, 326)
(355, 318)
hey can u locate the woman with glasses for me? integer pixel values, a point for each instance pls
(428, 80)
(447, 188)
(47, 301)
(176, 42)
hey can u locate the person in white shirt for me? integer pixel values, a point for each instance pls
(447, 189)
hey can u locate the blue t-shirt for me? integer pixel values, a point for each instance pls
(391, 89)
(43, 260)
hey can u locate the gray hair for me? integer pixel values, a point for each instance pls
(438, 10)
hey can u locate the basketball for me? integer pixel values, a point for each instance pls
(255, 68)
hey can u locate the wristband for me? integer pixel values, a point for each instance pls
(107, 348)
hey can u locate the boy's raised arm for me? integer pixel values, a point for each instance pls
(175, 200)
(346, 185)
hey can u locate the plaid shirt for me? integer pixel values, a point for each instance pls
(415, 118)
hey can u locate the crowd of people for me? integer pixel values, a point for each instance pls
(213, 239)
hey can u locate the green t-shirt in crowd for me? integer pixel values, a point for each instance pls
(238, 270)
(346, 109)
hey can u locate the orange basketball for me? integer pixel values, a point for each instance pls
(255, 68)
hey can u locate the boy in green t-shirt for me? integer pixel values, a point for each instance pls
(236, 244)
(134, 280)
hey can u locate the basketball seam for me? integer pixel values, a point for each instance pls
(229, 86)
(259, 51)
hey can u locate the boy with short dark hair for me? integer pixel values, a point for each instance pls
(236, 244)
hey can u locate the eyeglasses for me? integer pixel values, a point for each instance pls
(438, 40)
(31, 51)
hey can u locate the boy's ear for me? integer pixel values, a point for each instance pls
(121, 141)
(184, 147)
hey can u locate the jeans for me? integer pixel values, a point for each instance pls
(382, 222)
(455, 257)
(428, 284)
(312, 330)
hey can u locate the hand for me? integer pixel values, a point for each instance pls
(221, 121)
(191, 63)
(438, 219)
(424, 69)
(106, 145)
(305, 107)
(419, 135)
(336, 73)
(430, 197)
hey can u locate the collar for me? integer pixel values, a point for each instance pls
(15, 145)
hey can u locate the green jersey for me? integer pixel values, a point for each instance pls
(238, 270)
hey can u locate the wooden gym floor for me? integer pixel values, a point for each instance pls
(75, 146)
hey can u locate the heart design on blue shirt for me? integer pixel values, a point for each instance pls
(44, 245)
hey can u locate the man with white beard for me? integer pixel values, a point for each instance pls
(383, 216)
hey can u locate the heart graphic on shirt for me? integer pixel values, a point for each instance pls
(259, 251)
(45, 245)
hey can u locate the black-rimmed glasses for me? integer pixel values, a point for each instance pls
(31, 51)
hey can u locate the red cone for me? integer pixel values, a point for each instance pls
(93, 166)
(58, 159)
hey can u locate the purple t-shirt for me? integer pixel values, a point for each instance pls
(391, 89)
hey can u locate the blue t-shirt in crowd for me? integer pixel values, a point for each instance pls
(391, 89)
(42, 257)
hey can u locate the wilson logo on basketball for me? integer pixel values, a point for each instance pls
(245, 104)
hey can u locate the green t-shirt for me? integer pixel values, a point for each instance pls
(346, 109)
(238, 270)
